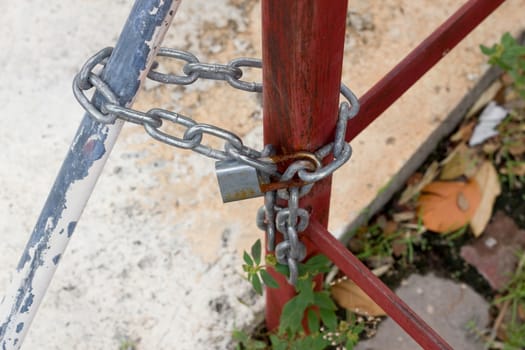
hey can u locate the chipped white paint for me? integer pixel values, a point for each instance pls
(47, 244)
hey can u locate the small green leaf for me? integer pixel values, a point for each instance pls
(489, 51)
(319, 343)
(246, 342)
(292, 315)
(313, 321)
(352, 336)
(257, 285)
(317, 260)
(329, 318)
(516, 51)
(520, 80)
(278, 343)
(256, 252)
(315, 265)
(305, 288)
(508, 40)
(323, 300)
(247, 259)
(268, 279)
(310, 342)
(350, 343)
(239, 336)
(282, 269)
(257, 345)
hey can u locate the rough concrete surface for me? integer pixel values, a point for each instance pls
(156, 255)
(448, 307)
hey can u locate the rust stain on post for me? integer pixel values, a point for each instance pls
(302, 54)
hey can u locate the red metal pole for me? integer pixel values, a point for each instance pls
(302, 54)
(418, 62)
(371, 285)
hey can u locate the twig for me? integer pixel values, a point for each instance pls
(497, 324)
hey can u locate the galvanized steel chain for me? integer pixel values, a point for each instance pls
(306, 168)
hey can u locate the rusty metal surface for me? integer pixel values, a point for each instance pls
(377, 290)
(394, 84)
(302, 54)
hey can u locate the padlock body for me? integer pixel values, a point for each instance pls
(238, 181)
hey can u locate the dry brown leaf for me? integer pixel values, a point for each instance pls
(517, 149)
(461, 161)
(515, 169)
(519, 169)
(447, 206)
(399, 246)
(404, 216)
(348, 295)
(488, 182)
(464, 132)
(490, 147)
(412, 190)
(390, 228)
(486, 97)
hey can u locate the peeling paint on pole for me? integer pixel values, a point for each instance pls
(124, 72)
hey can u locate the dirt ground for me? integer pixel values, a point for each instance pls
(156, 257)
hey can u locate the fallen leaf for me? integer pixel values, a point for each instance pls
(404, 216)
(517, 149)
(490, 147)
(412, 190)
(461, 161)
(494, 254)
(390, 228)
(517, 169)
(381, 270)
(464, 132)
(486, 97)
(446, 206)
(399, 248)
(348, 295)
(507, 79)
(415, 178)
(381, 222)
(400, 244)
(488, 182)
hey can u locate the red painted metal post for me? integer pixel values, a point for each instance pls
(373, 287)
(302, 54)
(418, 62)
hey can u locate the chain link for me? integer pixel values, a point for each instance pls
(289, 221)
(193, 69)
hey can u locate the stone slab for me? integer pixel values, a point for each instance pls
(450, 308)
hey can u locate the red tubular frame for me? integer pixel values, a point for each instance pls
(385, 92)
(371, 285)
(302, 55)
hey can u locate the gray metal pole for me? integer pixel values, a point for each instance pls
(124, 72)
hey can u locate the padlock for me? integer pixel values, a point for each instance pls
(238, 181)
